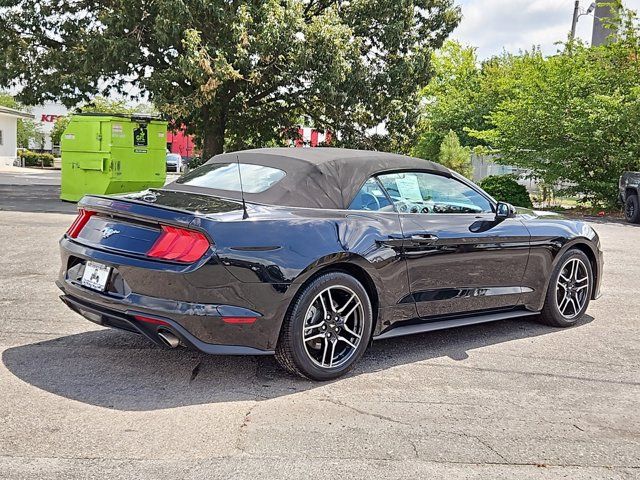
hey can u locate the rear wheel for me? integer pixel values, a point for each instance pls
(569, 290)
(327, 328)
(632, 209)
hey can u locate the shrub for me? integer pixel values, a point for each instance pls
(32, 159)
(505, 188)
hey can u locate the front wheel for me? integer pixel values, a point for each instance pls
(327, 328)
(632, 209)
(569, 290)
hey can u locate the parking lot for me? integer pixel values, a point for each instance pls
(512, 399)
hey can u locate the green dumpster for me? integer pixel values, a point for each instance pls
(110, 153)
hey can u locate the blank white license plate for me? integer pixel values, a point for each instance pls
(95, 276)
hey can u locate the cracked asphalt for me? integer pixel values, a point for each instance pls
(512, 399)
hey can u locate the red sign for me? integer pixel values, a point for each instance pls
(49, 118)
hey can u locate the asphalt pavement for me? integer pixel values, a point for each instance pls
(512, 399)
(32, 191)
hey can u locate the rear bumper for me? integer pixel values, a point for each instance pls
(127, 321)
(194, 302)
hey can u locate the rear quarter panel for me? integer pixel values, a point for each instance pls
(287, 247)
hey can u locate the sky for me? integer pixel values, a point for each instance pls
(513, 25)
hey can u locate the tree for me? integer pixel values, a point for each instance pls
(28, 134)
(449, 101)
(27, 130)
(462, 93)
(573, 120)
(58, 129)
(455, 156)
(236, 73)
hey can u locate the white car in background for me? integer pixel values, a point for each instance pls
(174, 162)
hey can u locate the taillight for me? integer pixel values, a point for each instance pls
(79, 223)
(179, 244)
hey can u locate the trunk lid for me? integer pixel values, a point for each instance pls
(132, 223)
(191, 203)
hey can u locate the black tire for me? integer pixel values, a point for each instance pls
(551, 312)
(632, 209)
(295, 355)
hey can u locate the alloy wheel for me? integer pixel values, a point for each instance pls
(572, 288)
(333, 327)
(630, 210)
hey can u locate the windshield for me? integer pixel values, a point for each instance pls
(225, 176)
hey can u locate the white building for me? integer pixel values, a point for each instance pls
(9, 134)
(45, 117)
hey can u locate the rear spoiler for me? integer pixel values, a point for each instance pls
(136, 209)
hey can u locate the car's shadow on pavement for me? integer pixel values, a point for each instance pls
(123, 371)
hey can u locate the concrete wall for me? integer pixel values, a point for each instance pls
(485, 165)
(9, 127)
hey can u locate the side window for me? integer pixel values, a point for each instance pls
(421, 192)
(371, 197)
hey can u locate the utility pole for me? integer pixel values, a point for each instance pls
(574, 22)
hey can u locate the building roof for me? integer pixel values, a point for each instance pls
(315, 177)
(15, 113)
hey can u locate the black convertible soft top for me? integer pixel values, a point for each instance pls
(315, 177)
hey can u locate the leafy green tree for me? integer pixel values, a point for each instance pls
(237, 73)
(573, 120)
(102, 104)
(449, 99)
(454, 156)
(27, 130)
(29, 134)
(58, 128)
(7, 100)
(462, 93)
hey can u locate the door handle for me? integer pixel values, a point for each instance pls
(423, 238)
(418, 239)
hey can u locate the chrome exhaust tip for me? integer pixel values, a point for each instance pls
(169, 339)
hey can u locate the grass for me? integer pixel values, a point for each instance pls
(575, 207)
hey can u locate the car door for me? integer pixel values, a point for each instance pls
(385, 251)
(459, 258)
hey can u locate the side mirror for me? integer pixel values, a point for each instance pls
(505, 210)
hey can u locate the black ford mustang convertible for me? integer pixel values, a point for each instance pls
(310, 254)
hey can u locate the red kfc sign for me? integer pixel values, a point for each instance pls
(49, 118)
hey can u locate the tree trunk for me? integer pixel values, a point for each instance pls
(214, 131)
